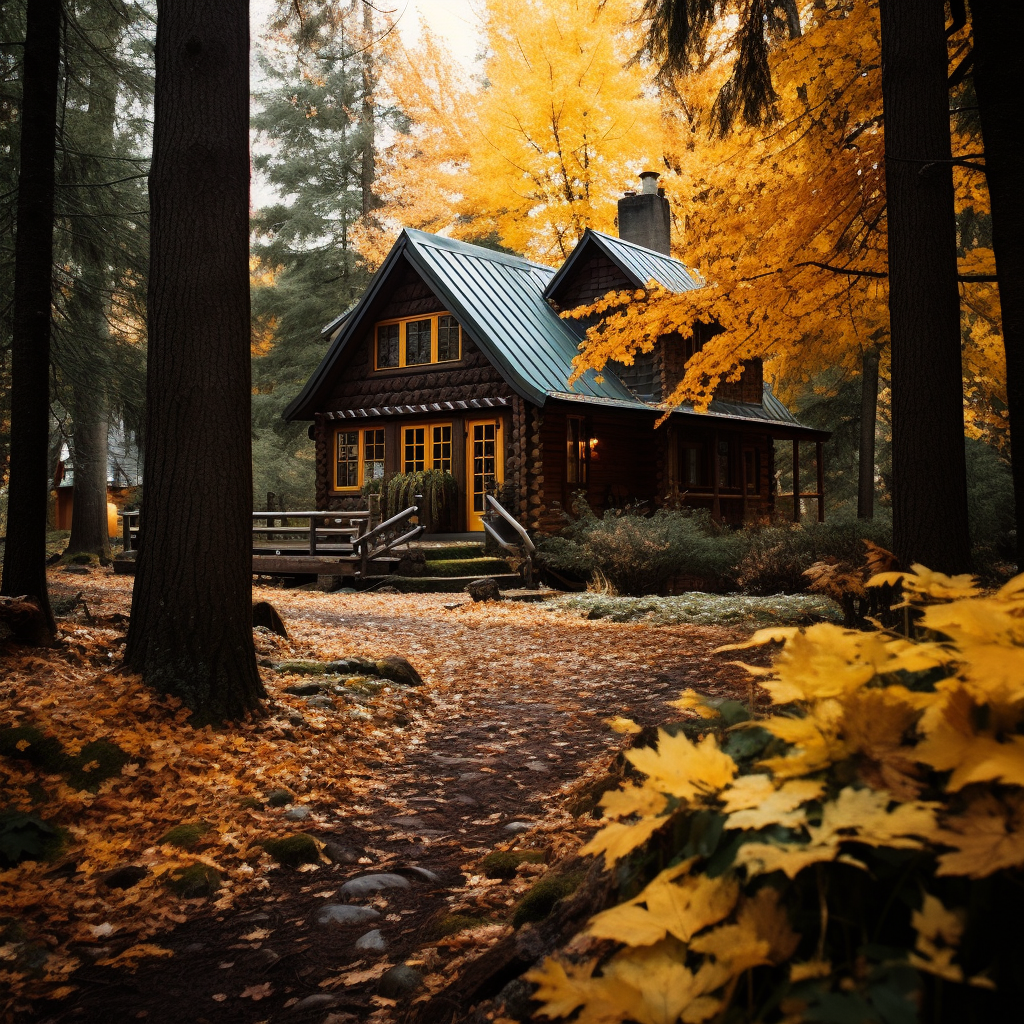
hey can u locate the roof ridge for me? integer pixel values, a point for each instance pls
(637, 245)
(418, 237)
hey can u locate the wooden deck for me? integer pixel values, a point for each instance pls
(316, 543)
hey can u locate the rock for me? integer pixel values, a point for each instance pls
(317, 1001)
(466, 800)
(125, 878)
(338, 854)
(124, 564)
(373, 883)
(344, 914)
(518, 826)
(372, 942)
(265, 614)
(387, 590)
(398, 670)
(279, 798)
(400, 981)
(486, 589)
(323, 702)
(266, 956)
(424, 874)
(80, 570)
(538, 766)
(301, 668)
(298, 813)
(353, 666)
(304, 689)
(515, 999)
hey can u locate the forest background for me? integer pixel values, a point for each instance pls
(360, 129)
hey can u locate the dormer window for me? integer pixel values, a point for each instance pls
(417, 341)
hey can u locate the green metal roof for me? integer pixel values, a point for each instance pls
(639, 264)
(500, 302)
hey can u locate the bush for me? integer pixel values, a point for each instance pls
(434, 491)
(989, 501)
(638, 554)
(853, 856)
(776, 556)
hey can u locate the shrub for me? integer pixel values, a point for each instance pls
(638, 554)
(776, 556)
(854, 856)
(435, 491)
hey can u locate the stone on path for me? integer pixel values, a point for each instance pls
(399, 981)
(373, 883)
(303, 689)
(344, 914)
(298, 813)
(484, 590)
(372, 942)
(317, 1001)
(518, 826)
(338, 854)
(398, 670)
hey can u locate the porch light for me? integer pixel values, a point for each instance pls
(593, 445)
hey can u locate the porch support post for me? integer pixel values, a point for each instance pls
(716, 504)
(819, 465)
(796, 480)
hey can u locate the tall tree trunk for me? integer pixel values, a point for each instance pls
(928, 468)
(998, 72)
(25, 549)
(367, 172)
(89, 528)
(868, 417)
(191, 623)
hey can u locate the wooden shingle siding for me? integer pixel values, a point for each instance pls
(595, 278)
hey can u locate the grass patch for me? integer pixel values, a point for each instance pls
(466, 567)
(541, 899)
(704, 609)
(503, 863)
(292, 851)
(186, 836)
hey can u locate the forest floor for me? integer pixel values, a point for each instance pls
(496, 750)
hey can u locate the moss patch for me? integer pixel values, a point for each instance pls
(193, 882)
(27, 743)
(503, 863)
(26, 837)
(301, 668)
(186, 836)
(454, 552)
(541, 899)
(451, 924)
(466, 567)
(93, 765)
(97, 762)
(291, 851)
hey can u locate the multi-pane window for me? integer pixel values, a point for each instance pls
(449, 339)
(691, 465)
(575, 451)
(359, 458)
(414, 450)
(348, 459)
(441, 447)
(373, 455)
(388, 345)
(427, 447)
(418, 341)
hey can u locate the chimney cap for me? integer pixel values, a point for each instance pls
(650, 182)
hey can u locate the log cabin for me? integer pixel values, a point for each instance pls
(456, 358)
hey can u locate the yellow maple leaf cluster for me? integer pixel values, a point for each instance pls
(877, 742)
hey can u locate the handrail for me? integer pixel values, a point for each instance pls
(404, 539)
(513, 522)
(344, 514)
(393, 521)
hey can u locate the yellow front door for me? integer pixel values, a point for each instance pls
(485, 467)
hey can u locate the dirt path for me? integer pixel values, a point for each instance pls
(515, 702)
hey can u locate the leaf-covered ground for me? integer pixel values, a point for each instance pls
(510, 719)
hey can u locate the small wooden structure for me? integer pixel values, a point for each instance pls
(315, 543)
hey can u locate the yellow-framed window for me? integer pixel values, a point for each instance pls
(358, 457)
(417, 341)
(427, 446)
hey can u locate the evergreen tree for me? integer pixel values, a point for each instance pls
(316, 122)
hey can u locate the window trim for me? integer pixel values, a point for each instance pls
(703, 469)
(403, 322)
(581, 458)
(428, 443)
(361, 457)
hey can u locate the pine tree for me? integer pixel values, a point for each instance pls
(317, 119)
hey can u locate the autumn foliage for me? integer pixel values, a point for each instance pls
(837, 856)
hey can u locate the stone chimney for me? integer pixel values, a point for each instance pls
(645, 219)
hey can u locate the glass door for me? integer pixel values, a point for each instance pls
(485, 467)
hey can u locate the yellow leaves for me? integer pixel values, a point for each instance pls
(938, 934)
(129, 958)
(623, 725)
(771, 807)
(986, 837)
(682, 768)
(618, 840)
(690, 700)
(680, 908)
(922, 582)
